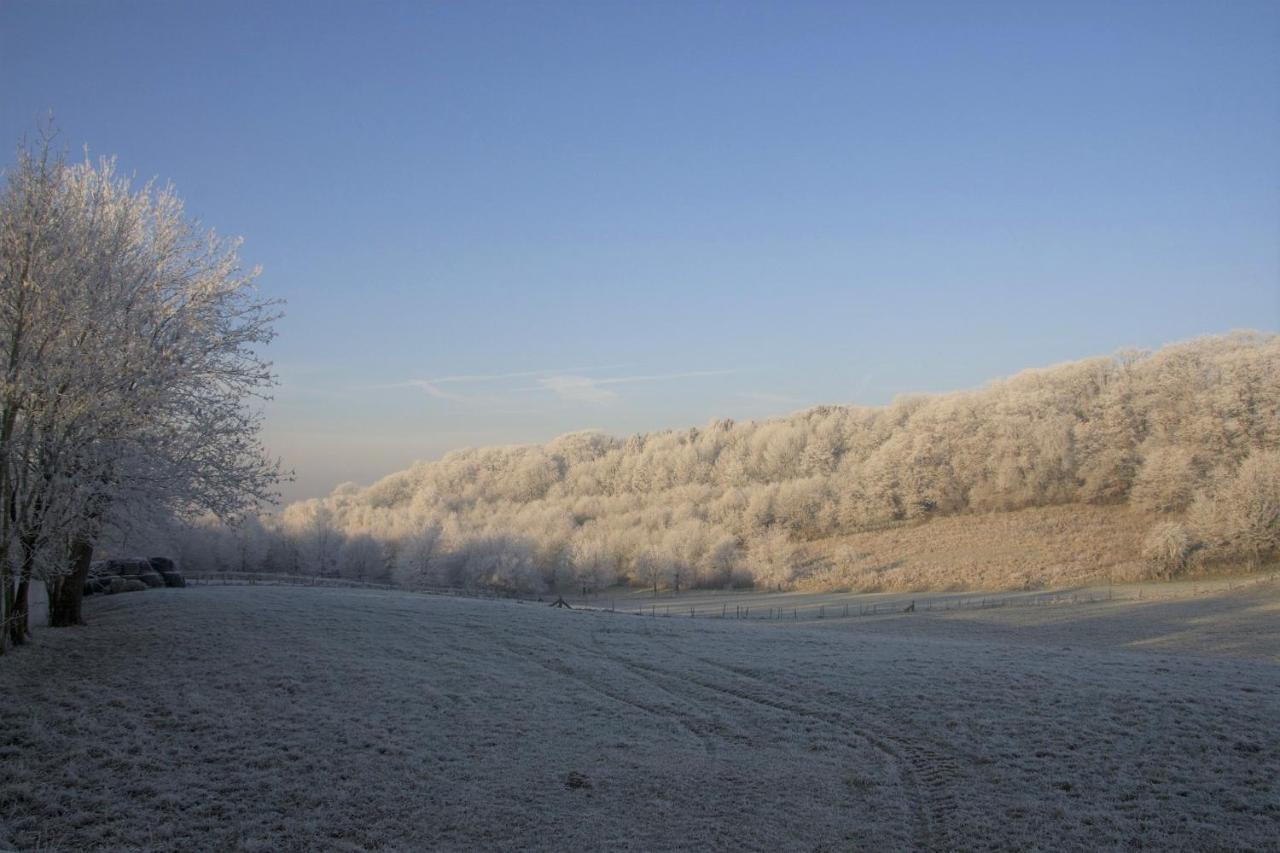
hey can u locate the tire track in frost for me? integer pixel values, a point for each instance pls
(688, 722)
(919, 768)
(929, 773)
(907, 758)
(934, 774)
(657, 677)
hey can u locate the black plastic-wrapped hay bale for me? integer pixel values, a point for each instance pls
(168, 570)
(149, 579)
(97, 585)
(100, 574)
(129, 568)
(140, 570)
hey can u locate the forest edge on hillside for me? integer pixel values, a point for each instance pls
(1135, 466)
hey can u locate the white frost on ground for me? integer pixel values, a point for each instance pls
(305, 719)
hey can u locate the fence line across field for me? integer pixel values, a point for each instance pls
(845, 610)
(757, 612)
(273, 579)
(848, 610)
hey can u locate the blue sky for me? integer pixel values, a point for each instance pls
(496, 223)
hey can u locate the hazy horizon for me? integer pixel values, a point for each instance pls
(496, 224)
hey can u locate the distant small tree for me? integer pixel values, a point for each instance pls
(500, 562)
(594, 566)
(361, 558)
(252, 543)
(649, 569)
(420, 558)
(1167, 548)
(319, 539)
(771, 559)
(1166, 481)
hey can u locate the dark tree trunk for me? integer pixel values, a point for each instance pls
(19, 614)
(6, 605)
(67, 592)
(20, 611)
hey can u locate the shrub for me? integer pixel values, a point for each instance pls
(1167, 547)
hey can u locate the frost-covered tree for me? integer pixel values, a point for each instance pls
(1167, 479)
(361, 558)
(133, 344)
(1167, 547)
(1241, 512)
(420, 559)
(318, 538)
(595, 565)
(771, 559)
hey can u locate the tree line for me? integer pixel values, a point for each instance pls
(1188, 435)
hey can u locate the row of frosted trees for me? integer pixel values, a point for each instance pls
(1189, 435)
(129, 344)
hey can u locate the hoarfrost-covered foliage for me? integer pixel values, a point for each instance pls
(1167, 546)
(130, 345)
(1188, 435)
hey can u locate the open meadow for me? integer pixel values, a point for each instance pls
(332, 719)
(639, 427)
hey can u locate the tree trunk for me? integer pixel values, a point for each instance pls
(19, 614)
(19, 624)
(67, 592)
(6, 603)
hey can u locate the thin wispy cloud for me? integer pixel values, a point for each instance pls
(576, 388)
(767, 397)
(432, 387)
(590, 390)
(567, 384)
(519, 374)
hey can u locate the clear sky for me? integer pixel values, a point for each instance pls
(496, 223)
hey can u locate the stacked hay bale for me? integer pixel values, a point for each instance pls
(132, 574)
(168, 570)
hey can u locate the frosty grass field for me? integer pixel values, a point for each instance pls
(304, 719)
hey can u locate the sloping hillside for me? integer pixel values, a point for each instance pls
(1032, 548)
(1183, 443)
